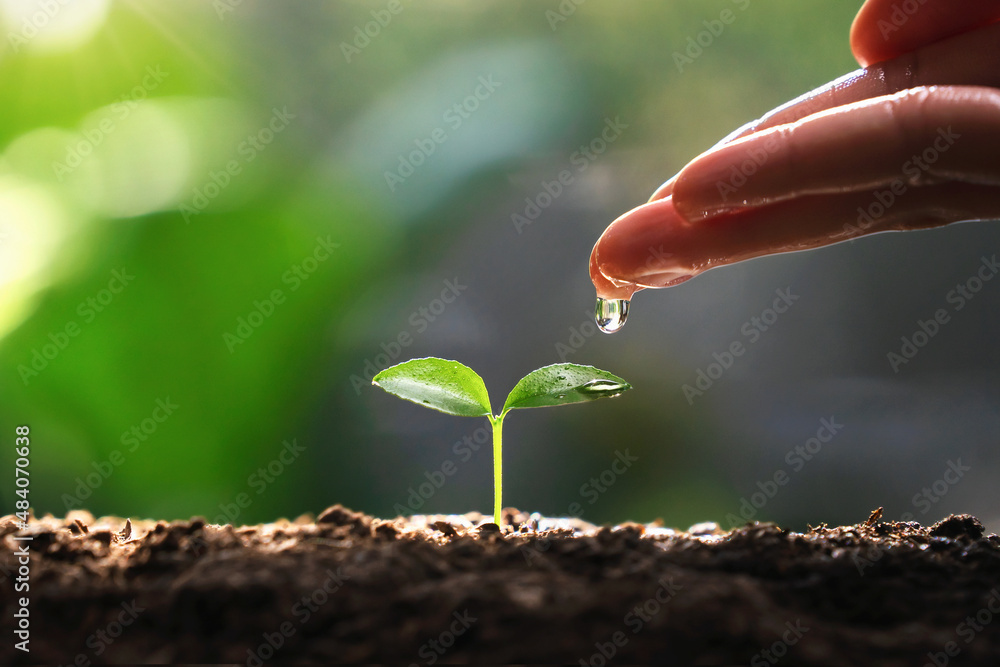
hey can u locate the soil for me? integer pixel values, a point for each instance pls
(347, 587)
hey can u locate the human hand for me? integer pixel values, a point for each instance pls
(909, 142)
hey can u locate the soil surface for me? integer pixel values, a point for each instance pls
(347, 587)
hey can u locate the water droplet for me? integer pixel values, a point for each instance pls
(560, 395)
(602, 387)
(610, 314)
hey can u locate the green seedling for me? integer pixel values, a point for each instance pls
(455, 389)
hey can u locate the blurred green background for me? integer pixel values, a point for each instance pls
(218, 219)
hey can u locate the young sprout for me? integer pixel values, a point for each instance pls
(455, 389)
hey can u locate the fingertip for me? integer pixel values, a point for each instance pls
(688, 207)
(642, 248)
(886, 29)
(605, 287)
(860, 40)
(664, 190)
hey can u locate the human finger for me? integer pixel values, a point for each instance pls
(654, 246)
(886, 29)
(919, 135)
(944, 63)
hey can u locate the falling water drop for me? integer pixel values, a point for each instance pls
(611, 314)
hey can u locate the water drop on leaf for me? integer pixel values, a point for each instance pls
(602, 387)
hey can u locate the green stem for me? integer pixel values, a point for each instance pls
(497, 423)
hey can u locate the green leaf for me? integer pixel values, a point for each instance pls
(562, 384)
(440, 384)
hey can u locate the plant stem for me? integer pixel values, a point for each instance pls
(497, 423)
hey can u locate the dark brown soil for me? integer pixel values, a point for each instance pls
(435, 589)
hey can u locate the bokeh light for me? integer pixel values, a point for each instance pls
(52, 26)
